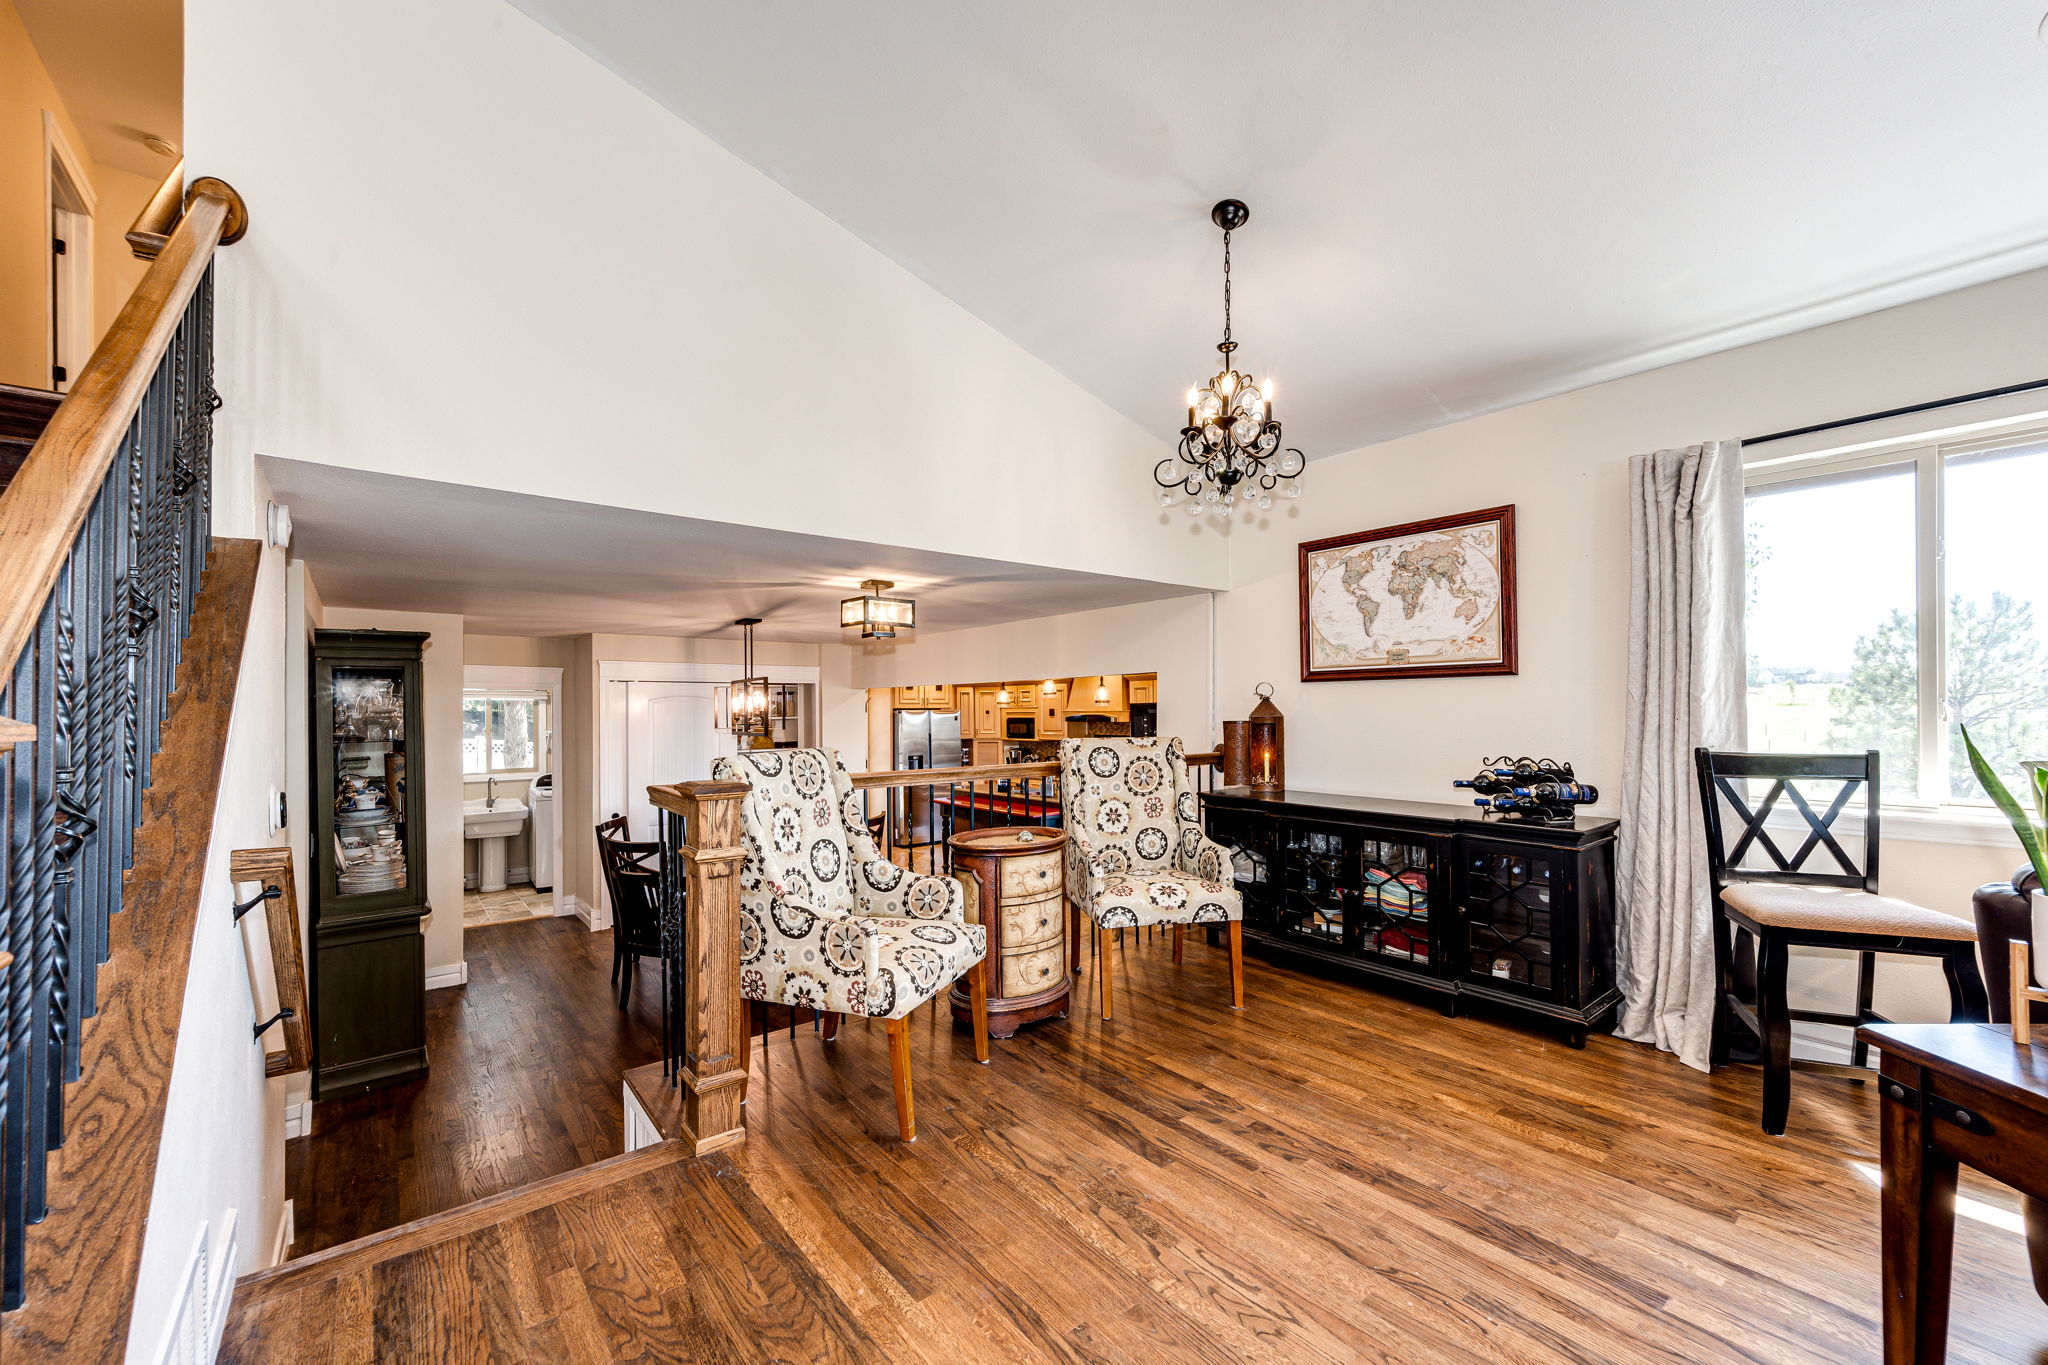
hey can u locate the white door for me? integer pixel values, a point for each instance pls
(669, 738)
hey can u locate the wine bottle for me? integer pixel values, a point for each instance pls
(1487, 782)
(1507, 803)
(1561, 793)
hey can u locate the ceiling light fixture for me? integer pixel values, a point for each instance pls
(747, 700)
(161, 146)
(1231, 437)
(877, 617)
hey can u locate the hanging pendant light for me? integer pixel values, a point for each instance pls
(1003, 695)
(878, 617)
(1230, 453)
(747, 700)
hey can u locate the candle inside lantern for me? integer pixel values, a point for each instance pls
(1265, 765)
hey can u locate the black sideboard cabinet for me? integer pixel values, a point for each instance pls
(1436, 895)
(369, 861)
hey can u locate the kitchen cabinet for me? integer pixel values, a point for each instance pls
(1142, 691)
(935, 697)
(1099, 697)
(987, 715)
(1052, 711)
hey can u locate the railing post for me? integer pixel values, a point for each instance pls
(700, 930)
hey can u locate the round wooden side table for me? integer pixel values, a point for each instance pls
(1020, 875)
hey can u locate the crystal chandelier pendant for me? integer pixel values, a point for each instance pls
(1232, 440)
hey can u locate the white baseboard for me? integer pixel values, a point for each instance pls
(1820, 1042)
(298, 1119)
(454, 974)
(594, 916)
(287, 1233)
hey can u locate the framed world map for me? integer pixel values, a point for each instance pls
(1424, 600)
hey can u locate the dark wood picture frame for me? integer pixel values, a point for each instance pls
(1506, 663)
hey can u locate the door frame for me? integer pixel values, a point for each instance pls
(68, 189)
(533, 678)
(611, 730)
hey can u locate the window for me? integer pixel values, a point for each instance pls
(504, 733)
(1892, 602)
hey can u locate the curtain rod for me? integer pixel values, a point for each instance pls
(1898, 412)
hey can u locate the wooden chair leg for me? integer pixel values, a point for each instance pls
(1176, 945)
(1866, 991)
(1105, 956)
(1237, 964)
(746, 1035)
(899, 1075)
(1724, 982)
(632, 969)
(1773, 954)
(828, 1026)
(1073, 938)
(1968, 1002)
(977, 994)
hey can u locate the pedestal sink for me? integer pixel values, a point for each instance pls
(491, 825)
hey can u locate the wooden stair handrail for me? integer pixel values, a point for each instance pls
(44, 506)
(272, 867)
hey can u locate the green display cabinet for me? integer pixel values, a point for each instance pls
(368, 859)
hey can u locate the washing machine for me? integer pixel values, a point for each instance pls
(546, 816)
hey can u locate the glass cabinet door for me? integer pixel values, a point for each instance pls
(1508, 926)
(1395, 901)
(1317, 870)
(370, 800)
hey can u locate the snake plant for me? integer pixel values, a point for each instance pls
(2033, 831)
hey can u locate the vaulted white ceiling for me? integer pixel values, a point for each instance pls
(1456, 205)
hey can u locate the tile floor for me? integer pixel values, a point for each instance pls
(502, 907)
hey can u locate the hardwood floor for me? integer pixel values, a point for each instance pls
(523, 1082)
(1335, 1175)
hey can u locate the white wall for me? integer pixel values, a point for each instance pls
(441, 704)
(1563, 462)
(478, 256)
(1170, 638)
(223, 1138)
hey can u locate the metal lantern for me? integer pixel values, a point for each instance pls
(876, 615)
(1265, 739)
(747, 699)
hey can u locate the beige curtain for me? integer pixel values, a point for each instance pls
(1685, 689)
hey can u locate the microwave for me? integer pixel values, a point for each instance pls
(1020, 727)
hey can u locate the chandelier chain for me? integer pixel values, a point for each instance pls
(1226, 286)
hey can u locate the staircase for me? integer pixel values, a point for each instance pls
(23, 415)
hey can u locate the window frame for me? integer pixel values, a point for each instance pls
(1925, 453)
(543, 727)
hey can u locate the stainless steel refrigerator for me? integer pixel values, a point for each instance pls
(924, 739)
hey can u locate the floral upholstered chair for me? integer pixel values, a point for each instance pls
(1136, 853)
(826, 924)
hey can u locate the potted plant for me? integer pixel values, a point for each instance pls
(2033, 835)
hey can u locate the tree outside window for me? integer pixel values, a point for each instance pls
(504, 732)
(1891, 602)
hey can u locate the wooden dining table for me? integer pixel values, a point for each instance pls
(1953, 1095)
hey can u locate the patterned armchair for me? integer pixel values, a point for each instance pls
(1136, 853)
(826, 924)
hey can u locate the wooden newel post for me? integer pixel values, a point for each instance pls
(700, 926)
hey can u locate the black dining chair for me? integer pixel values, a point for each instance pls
(1768, 901)
(632, 876)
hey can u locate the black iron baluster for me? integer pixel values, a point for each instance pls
(95, 682)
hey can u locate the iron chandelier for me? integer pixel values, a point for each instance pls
(747, 697)
(1230, 452)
